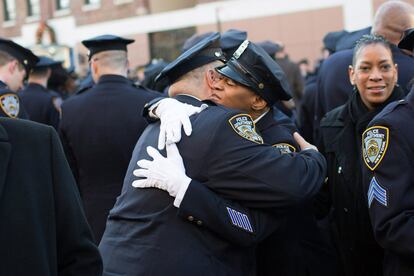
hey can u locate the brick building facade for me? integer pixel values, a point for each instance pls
(160, 26)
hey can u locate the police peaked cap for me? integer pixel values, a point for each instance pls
(205, 51)
(331, 39)
(407, 42)
(251, 66)
(106, 43)
(230, 40)
(46, 62)
(270, 47)
(193, 40)
(23, 55)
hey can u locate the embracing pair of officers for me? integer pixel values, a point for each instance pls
(240, 179)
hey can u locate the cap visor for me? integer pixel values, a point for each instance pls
(232, 74)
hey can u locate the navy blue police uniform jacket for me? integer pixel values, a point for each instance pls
(144, 235)
(388, 153)
(38, 102)
(334, 87)
(99, 129)
(10, 104)
(44, 231)
(290, 240)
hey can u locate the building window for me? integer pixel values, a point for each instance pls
(9, 8)
(33, 8)
(92, 2)
(167, 45)
(62, 4)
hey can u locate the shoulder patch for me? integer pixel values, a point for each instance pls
(374, 145)
(244, 126)
(10, 104)
(377, 192)
(284, 147)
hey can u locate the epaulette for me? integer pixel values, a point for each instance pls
(391, 107)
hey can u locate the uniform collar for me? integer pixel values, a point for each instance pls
(260, 117)
(113, 78)
(265, 121)
(189, 99)
(3, 84)
(35, 87)
(410, 96)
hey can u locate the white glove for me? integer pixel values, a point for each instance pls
(167, 174)
(174, 115)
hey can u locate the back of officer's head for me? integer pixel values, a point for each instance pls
(392, 19)
(198, 82)
(193, 71)
(12, 72)
(40, 73)
(109, 62)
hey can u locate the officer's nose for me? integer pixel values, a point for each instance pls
(376, 74)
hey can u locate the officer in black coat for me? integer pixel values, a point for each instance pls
(16, 63)
(388, 152)
(44, 231)
(334, 89)
(99, 128)
(36, 98)
(225, 150)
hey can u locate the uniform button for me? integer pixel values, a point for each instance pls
(190, 218)
(346, 210)
(199, 222)
(339, 169)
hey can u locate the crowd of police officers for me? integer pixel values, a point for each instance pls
(207, 165)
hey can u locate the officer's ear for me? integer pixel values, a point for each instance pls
(258, 103)
(211, 77)
(12, 66)
(351, 74)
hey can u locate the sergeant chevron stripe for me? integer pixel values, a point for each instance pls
(375, 191)
(240, 220)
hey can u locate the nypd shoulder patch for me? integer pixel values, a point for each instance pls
(10, 104)
(244, 126)
(239, 220)
(284, 147)
(374, 145)
(377, 192)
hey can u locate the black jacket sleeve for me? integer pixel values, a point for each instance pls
(228, 219)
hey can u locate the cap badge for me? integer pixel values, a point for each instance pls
(261, 85)
(241, 49)
(217, 54)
